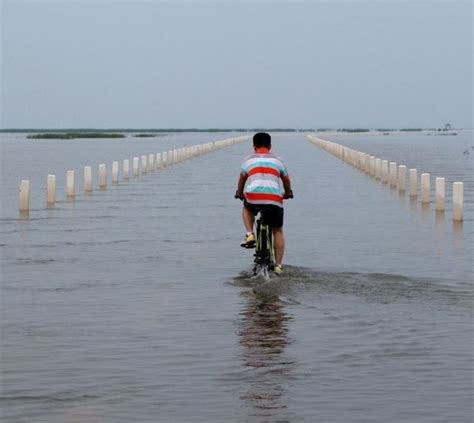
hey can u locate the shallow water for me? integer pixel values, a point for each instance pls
(135, 303)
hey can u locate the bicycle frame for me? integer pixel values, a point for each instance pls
(264, 260)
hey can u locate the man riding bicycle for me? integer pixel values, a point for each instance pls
(260, 186)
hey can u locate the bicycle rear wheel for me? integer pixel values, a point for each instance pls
(263, 262)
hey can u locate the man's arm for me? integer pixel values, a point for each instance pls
(240, 186)
(287, 187)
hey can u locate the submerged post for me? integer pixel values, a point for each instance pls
(24, 196)
(70, 183)
(378, 168)
(384, 171)
(126, 169)
(102, 176)
(393, 174)
(458, 201)
(440, 194)
(115, 171)
(425, 188)
(372, 165)
(51, 194)
(87, 178)
(136, 170)
(413, 183)
(402, 170)
(151, 162)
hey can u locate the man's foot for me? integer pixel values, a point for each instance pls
(278, 269)
(249, 241)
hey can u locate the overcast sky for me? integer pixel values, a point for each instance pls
(153, 64)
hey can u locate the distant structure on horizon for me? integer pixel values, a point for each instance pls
(447, 127)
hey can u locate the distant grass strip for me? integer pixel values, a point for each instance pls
(148, 135)
(73, 135)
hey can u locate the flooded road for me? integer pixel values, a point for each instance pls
(136, 303)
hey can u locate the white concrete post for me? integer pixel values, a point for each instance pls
(458, 200)
(136, 168)
(367, 164)
(440, 193)
(378, 168)
(360, 160)
(115, 172)
(393, 174)
(151, 162)
(384, 171)
(70, 183)
(158, 160)
(402, 172)
(102, 176)
(164, 159)
(51, 195)
(425, 187)
(413, 183)
(87, 178)
(24, 196)
(126, 169)
(372, 165)
(144, 164)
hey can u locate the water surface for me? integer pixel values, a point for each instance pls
(136, 303)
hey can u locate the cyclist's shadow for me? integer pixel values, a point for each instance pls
(264, 336)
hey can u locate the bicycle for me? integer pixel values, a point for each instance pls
(264, 256)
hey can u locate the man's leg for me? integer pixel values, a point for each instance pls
(248, 218)
(278, 244)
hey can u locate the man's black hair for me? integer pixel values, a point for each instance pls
(262, 139)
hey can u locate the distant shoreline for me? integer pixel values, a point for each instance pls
(144, 132)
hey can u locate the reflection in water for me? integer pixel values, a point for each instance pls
(51, 211)
(24, 215)
(425, 211)
(402, 198)
(413, 205)
(440, 217)
(24, 228)
(264, 337)
(458, 238)
(458, 229)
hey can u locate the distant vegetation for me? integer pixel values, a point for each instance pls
(353, 130)
(148, 135)
(411, 129)
(74, 135)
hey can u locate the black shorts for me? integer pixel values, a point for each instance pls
(271, 215)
